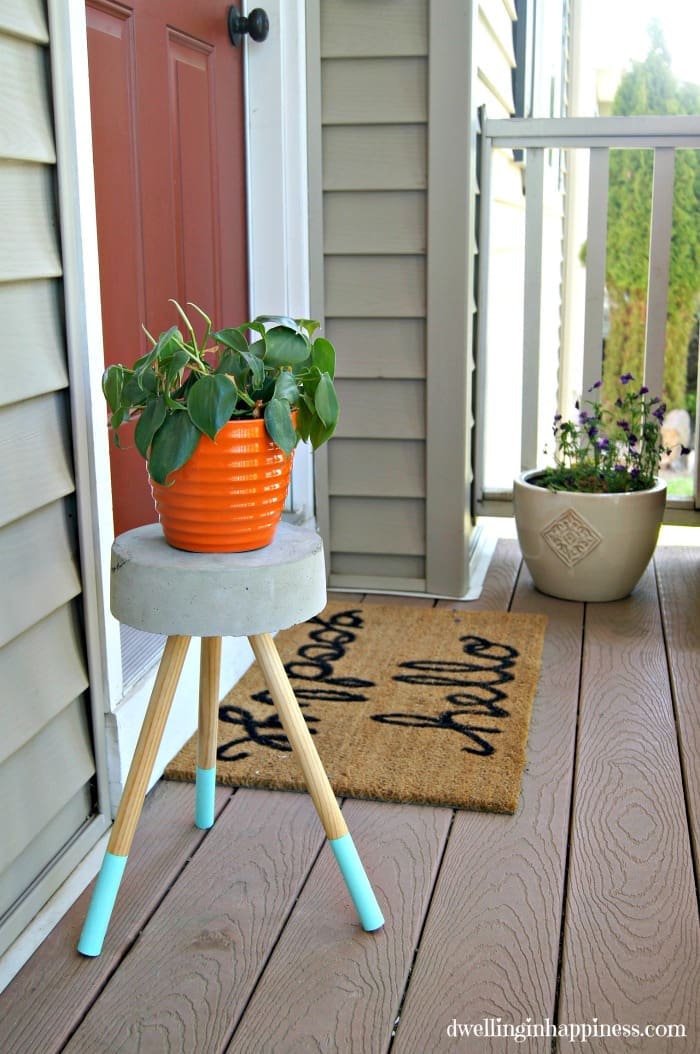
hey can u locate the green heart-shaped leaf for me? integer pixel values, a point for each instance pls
(231, 338)
(320, 433)
(285, 347)
(326, 402)
(323, 356)
(211, 401)
(173, 444)
(286, 388)
(112, 384)
(149, 422)
(132, 392)
(279, 424)
(305, 419)
(278, 320)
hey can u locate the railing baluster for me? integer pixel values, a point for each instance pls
(659, 266)
(595, 265)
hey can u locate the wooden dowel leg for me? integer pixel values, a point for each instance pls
(209, 676)
(317, 782)
(147, 745)
(298, 734)
(122, 835)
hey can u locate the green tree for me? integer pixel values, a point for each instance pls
(651, 88)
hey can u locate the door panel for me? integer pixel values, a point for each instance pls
(167, 118)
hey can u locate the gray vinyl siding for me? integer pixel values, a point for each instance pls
(374, 113)
(376, 110)
(46, 756)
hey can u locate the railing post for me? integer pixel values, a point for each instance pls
(483, 237)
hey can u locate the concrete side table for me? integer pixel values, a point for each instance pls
(209, 595)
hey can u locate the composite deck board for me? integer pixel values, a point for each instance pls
(341, 987)
(631, 949)
(41, 1007)
(678, 572)
(188, 978)
(491, 943)
(243, 938)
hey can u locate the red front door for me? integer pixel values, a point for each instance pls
(167, 122)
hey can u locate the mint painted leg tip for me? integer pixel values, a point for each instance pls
(205, 788)
(357, 882)
(89, 947)
(374, 924)
(101, 905)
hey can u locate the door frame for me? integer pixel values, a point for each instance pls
(275, 131)
(277, 186)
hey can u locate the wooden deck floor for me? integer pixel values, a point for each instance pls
(579, 910)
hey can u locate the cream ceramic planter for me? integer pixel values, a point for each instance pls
(586, 546)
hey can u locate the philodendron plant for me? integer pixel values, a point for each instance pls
(184, 388)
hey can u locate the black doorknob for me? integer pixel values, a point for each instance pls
(256, 24)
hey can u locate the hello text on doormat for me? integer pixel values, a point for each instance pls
(404, 703)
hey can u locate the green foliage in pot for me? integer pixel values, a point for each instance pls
(609, 449)
(184, 388)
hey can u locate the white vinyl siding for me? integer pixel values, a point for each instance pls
(46, 756)
(495, 55)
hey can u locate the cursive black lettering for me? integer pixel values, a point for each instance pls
(487, 666)
(265, 732)
(311, 672)
(445, 722)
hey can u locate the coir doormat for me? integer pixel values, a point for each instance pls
(405, 703)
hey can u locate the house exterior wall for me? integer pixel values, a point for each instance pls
(394, 121)
(47, 763)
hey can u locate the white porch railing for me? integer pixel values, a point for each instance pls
(532, 334)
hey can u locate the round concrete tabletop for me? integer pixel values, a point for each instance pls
(157, 588)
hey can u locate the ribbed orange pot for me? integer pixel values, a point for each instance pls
(229, 496)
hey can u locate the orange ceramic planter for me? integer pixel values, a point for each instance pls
(228, 498)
